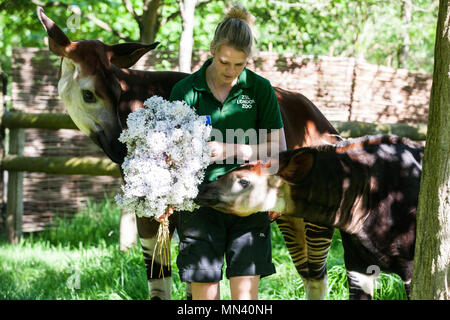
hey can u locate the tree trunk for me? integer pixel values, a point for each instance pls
(14, 199)
(187, 8)
(432, 253)
(406, 19)
(148, 23)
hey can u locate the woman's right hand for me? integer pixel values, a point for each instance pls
(217, 151)
(165, 216)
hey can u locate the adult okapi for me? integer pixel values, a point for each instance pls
(99, 91)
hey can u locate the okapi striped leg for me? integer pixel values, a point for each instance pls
(318, 242)
(293, 231)
(308, 253)
(188, 291)
(159, 285)
(361, 283)
(407, 285)
(315, 288)
(128, 231)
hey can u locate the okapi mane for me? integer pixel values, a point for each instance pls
(350, 144)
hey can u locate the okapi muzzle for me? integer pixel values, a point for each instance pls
(242, 192)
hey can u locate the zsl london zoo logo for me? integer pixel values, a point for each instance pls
(246, 102)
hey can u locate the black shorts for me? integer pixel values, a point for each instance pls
(206, 235)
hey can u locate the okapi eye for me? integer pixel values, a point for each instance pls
(244, 183)
(88, 96)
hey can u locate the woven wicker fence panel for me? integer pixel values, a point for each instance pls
(34, 75)
(389, 95)
(344, 89)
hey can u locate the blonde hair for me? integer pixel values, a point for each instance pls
(234, 30)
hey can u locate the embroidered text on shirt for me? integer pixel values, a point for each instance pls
(246, 102)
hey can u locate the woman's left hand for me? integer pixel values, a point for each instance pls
(218, 151)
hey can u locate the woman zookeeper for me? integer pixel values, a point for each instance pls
(232, 97)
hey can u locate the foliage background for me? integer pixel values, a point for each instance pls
(370, 29)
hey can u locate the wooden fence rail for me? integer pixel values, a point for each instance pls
(49, 121)
(91, 166)
(15, 163)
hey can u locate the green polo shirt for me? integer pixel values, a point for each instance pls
(251, 104)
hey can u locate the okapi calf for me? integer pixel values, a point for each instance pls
(367, 187)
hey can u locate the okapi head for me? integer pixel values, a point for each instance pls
(242, 192)
(89, 86)
(254, 188)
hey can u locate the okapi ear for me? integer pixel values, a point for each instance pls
(256, 167)
(259, 167)
(125, 55)
(58, 41)
(267, 164)
(296, 167)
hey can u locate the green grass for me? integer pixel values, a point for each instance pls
(80, 259)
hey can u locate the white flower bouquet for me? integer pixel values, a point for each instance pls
(166, 159)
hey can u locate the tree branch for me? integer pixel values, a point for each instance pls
(181, 7)
(129, 6)
(299, 5)
(92, 18)
(107, 27)
(176, 13)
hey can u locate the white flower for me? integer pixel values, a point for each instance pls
(167, 156)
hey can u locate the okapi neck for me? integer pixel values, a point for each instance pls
(284, 203)
(137, 86)
(144, 84)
